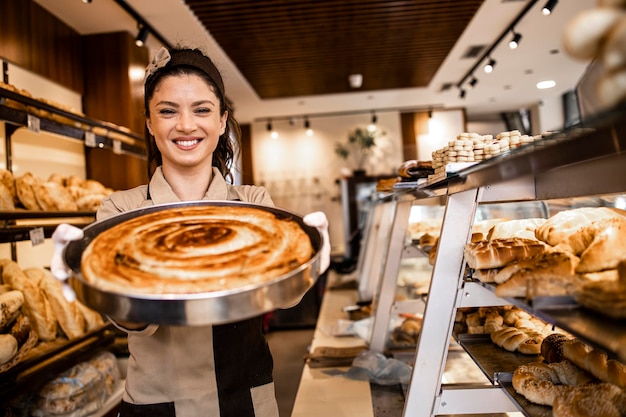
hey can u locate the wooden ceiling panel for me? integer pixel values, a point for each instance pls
(288, 48)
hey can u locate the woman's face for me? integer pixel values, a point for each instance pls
(185, 121)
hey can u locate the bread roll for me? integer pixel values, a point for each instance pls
(524, 228)
(6, 198)
(591, 400)
(552, 347)
(585, 34)
(20, 329)
(8, 348)
(8, 180)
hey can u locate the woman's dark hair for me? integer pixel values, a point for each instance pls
(224, 153)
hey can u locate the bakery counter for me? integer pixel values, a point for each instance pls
(321, 391)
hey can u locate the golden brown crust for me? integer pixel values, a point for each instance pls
(25, 192)
(595, 361)
(8, 180)
(592, 400)
(497, 253)
(195, 249)
(53, 197)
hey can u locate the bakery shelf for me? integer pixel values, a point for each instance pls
(51, 358)
(604, 332)
(16, 109)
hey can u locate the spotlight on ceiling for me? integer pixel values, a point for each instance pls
(307, 126)
(514, 43)
(473, 82)
(462, 93)
(547, 9)
(140, 40)
(86, 1)
(490, 65)
(355, 80)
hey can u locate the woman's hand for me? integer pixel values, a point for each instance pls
(63, 234)
(318, 220)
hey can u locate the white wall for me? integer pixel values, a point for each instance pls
(300, 171)
(443, 126)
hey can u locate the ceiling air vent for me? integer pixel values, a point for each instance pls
(446, 86)
(473, 51)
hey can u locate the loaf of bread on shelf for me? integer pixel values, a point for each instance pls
(552, 347)
(25, 193)
(559, 227)
(606, 246)
(522, 340)
(68, 315)
(498, 253)
(549, 274)
(523, 228)
(52, 196)
(38, 307)
(541, 383)
(11, 303)
(8, 180)
(606, 296)
(594, 361)
(8, 348)
(590, 400)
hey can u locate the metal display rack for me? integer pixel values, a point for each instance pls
(579, 162)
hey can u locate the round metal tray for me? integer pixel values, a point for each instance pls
(214, 307)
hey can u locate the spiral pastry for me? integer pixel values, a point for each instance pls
(195, 249)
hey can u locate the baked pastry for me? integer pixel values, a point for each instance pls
(591, 400)
(552, 347)
(195, 249)
(606, 247)
(497, 253)
(541, 383)
(524, 228)
(595, 361)
(559, 227)
(526, 341)
(25, 192)
(607, 297)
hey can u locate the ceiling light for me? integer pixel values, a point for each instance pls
(307, 126)
(490, 65)
(86, 1)
(140, 40)
(542, 85)
(355, 80)
(269, 125)
(547, 9)
(462, 93)
(473, 82)
(514, 43)
(374, 118)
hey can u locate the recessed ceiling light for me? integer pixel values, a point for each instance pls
(542, 85)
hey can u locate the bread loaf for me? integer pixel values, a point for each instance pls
(67, 314)
(523, 228)
(497, 253)
(53, 197)
(37, 305)
(25, 192)
(607, 247)
(541, 383)
(606, 296)
(591, 400)
(552, 347)
(595, 361)
(8, 348)
(10, 307)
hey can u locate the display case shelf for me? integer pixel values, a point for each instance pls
(578, 162)
(17, 109)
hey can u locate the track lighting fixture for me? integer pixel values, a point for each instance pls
(462, 93)
(490, 65)
(269, 125)
(473, 82)
(514, 43)
(374, 118)
(547, 9)
(307, 126)
(140, 40)
(86, 1)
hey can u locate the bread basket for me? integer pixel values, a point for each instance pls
(215, 307)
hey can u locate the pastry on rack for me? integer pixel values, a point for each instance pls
(606, 297)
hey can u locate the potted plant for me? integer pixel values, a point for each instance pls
(358, 148)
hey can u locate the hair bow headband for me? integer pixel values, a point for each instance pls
(160, 60)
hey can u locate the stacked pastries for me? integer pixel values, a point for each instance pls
(575, 252)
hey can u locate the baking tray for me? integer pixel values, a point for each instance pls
(215, 307)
